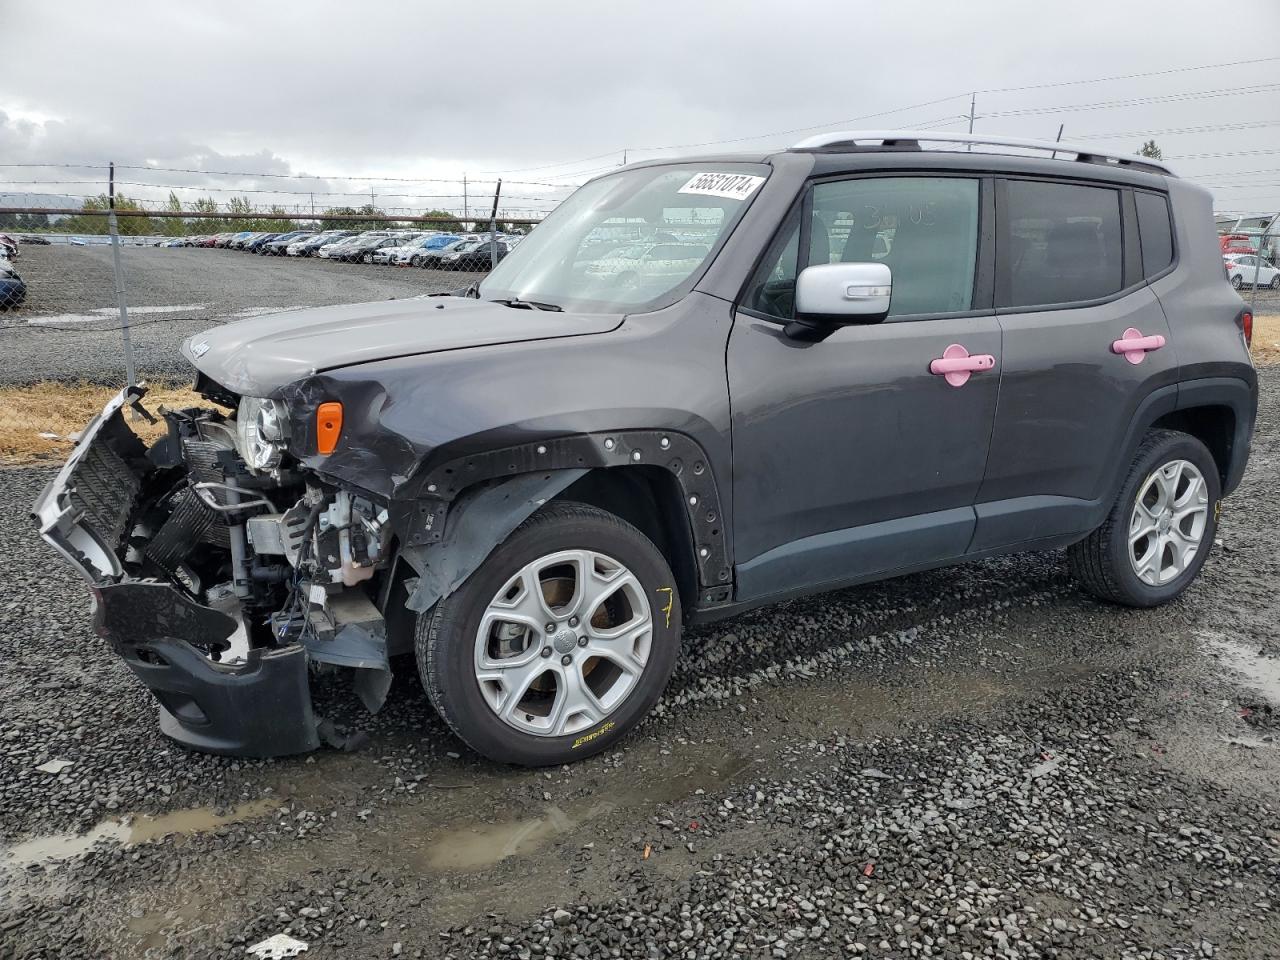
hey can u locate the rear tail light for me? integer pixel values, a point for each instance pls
(1246, 327)
(328, 426)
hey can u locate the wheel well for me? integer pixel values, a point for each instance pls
(1214, 426)
(648, 498)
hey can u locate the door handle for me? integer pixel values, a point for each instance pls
(957, 365)
(1133, 346)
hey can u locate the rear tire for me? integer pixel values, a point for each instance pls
(572, 691)
(1275, 282)
(1165, 515)
(1237, 281)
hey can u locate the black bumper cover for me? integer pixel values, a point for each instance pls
(258, 708)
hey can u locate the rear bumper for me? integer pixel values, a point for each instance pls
(247, 702)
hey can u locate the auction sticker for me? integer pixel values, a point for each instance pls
(731, 186)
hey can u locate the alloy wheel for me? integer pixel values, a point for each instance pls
(1168, 522)
(563, 643)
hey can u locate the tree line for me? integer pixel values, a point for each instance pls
(236, 215)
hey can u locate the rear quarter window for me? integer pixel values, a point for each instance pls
(1156, 232)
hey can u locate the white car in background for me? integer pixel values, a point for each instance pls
(328, 249)
(389, 254)
(1242, 267)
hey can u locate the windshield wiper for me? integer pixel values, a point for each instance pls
(529, 305)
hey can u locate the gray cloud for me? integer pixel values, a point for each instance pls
(540, 90)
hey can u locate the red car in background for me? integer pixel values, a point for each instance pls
(1237, 243)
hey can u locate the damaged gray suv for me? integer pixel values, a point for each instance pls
(699, 386)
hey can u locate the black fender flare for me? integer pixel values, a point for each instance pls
(480, 520)
(1232, 392)
(678, 453)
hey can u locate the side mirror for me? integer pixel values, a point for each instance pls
(831, 295)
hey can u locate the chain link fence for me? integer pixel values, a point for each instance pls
(104, 286)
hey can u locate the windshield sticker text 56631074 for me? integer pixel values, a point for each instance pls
(731, 186)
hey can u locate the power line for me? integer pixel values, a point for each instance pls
(1174, 131)
(1185, 96)
(1225, 153)
(957, 96)
(1130, 76)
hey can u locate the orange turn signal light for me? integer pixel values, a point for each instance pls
(328, 426)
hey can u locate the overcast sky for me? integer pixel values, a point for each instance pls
(555, 90)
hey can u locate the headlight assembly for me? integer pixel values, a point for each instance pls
(261, 428)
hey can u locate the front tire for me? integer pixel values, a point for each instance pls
(1237, 281)
(559, 644)
(1159, 531)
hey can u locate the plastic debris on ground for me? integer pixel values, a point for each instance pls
(277, 947)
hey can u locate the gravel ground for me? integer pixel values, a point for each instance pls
(68, 329)
(975, 762)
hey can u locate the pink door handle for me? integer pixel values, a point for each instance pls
(957, 365)
(1133, 346)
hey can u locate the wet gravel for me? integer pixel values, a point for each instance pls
(68, 329)
(975, 762)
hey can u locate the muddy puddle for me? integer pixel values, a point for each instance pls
(127, 830)
(1257, 671)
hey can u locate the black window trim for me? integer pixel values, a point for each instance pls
(1128, 230)
(984, 255)
(1173, 234)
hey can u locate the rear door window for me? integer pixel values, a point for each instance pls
(1062, 244)
(1155, 231)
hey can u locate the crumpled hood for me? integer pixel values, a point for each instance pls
(258, 356)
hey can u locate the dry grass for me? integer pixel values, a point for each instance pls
(1266, 338)
(60, 409)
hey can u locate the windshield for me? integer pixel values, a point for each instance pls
(631, 241)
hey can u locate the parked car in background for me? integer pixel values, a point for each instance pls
(403, 254)
(1242, 268)
(329, 251)
(9, 246)
(432, 247)
(430, 259)
(309, 248)
(362, 248)
(277, 246)
(12, 290)
(1238, 243)
(475, 255)
(35, 238)
(403, 242)
(257, 243)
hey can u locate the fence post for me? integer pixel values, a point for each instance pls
(1257, 264)
(493, 227)
(130, 373)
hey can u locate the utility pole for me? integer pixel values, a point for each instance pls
(973, 101)
(121, 305)
(624, 156)
(465, 218)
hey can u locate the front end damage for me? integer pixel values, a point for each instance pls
(223, 587)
